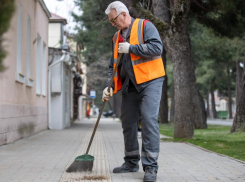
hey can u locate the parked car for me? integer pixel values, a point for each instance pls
(109, 113)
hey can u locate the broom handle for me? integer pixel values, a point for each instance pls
(103, 105)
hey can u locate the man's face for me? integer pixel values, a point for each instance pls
(117, 20)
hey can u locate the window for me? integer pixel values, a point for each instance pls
(38, 65)
(44, 69)
(29, 81)
(19, 76)
(28, 74)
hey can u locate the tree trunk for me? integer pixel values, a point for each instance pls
(172, 3)
(189, 105)
(229, 92)
(163, 111)
(172, 105)
(207, 97)
(161, 10)
(239, 120)
(199, 108)
(183, 81)
(238, 82)
(213, 105)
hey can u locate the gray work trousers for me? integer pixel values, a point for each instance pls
(147, 101)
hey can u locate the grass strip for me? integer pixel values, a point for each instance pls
(216, 138)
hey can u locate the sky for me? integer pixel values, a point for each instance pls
(64, 9)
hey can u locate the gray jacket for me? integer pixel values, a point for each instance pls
(153, 48)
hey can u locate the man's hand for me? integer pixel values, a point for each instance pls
(123, 47)
(107, 94)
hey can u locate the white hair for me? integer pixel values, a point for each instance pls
(118, 6)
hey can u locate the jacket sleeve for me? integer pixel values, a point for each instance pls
(110, 70)
(152, 46)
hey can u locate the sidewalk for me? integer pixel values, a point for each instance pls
(45, 156)
(224, 122)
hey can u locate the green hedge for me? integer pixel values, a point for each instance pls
(7, 9)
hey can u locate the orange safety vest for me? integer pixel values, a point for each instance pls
(145, 69)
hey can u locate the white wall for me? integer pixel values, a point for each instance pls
(54, 35)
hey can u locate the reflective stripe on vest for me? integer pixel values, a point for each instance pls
(116, 79)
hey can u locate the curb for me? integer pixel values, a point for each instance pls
(243, 162)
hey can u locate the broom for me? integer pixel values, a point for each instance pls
(85, 162)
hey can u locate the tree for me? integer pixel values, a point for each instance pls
(216, 57)
(225, 17)
(239, 120)
(6, 12)
(94, 30)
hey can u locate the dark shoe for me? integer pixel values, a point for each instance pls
(150, 174)
(125, 169)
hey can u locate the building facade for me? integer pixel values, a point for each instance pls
(63, 68)
(23, 88)
(56, 31)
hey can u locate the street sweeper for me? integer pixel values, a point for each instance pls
(139, 75)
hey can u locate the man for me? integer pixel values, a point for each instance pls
(140, 76)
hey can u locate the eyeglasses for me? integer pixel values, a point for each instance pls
(113, 20)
